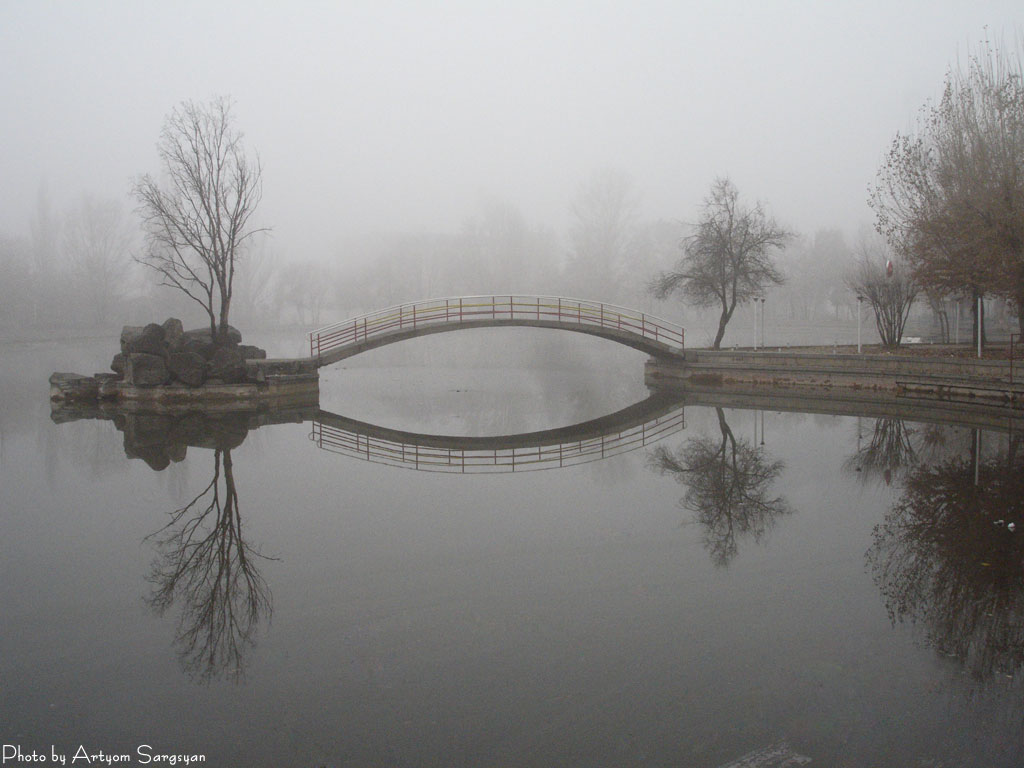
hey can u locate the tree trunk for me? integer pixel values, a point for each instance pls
(222, 329)
(723, 321)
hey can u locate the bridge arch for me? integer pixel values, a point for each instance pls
(635, 329)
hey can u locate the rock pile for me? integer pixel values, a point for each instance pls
(155, 355)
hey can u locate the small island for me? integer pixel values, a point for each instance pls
(163, 365)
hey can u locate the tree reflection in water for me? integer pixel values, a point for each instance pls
(895, 445)
(949, 558)
(728, 488)
(206, 566)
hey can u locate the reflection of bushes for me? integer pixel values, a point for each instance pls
(206, 566)
(889, 450)
(945, 560)
(728, 488)
(894, 446)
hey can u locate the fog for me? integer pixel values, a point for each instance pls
(415, 149)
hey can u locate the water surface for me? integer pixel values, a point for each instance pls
(837, 582)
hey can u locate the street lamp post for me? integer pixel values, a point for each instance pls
(860, 300)
(755, 324)
(762, 322)
(980, 324)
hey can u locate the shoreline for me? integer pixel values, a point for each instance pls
(934, 375)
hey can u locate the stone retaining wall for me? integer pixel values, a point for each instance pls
(946, 378)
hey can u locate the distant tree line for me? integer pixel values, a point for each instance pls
(948, 200)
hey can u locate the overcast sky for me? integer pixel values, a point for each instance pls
(378, 115)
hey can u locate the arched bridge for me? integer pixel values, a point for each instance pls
(405, 321)
(631, 428)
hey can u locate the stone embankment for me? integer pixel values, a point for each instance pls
(165, 365)
(952, 378)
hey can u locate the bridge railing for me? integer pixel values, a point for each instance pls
(427, 458)
(453, 311)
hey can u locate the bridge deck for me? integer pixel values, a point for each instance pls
(634, 329)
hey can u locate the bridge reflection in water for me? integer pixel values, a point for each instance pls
(639, 425)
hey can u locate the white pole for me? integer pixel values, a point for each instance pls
(858, 323)
(755, 325)
(956, 325)
(981, 325)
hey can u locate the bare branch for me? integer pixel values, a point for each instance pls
(198, 222)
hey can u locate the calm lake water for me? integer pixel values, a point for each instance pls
(736, 579)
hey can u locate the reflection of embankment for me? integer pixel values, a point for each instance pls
(848, 402)
(638, 425)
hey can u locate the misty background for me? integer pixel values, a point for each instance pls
(412, 150)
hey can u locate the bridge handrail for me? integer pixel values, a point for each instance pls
(459, 309)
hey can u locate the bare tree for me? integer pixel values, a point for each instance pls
(727, 259)
(890, 292)
(950, 196)
(199, 220)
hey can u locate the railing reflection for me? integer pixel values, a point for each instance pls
(637, 426)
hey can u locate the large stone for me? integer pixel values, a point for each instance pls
(187, 367)
(144, 370)
(250, 352)
(174, 333)
(128, 334)
(234, 336)
(73, 386)
(204, 349)
(117, 364)
(228, 365)
(149, 341)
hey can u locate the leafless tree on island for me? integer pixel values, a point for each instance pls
(197, 219)
(727, 259)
